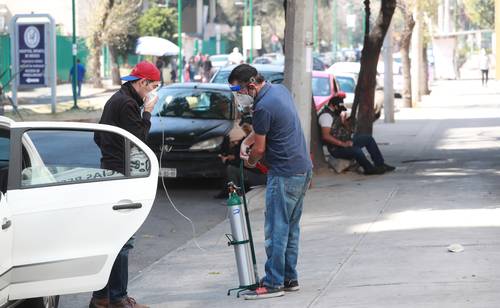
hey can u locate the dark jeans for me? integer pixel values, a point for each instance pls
(251, 178)
(484, 77)
(78, 88)
(116, 288)
(356, 151)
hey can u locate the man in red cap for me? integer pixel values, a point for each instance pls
(123, 109)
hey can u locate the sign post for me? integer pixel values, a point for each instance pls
(33, 53)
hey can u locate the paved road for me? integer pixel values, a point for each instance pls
(165, 230)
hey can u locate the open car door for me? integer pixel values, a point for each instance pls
(69, 216)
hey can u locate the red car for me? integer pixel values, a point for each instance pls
(324, 87)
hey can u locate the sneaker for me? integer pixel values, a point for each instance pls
(291, 286)
(389, 168)
(264, 292)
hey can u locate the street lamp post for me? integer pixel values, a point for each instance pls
(179, 38)
(75, 69)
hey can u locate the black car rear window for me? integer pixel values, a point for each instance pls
(194, 103)
(272, 77)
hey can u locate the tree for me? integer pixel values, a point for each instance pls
(365, 89)
(120, 32)
(94, 40)
(160, 22)
(405, 42)
(481, 13)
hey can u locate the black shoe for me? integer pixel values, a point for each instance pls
(291, 286)
(264, 292)
(221, 195)
(375, 170)
(388, 168)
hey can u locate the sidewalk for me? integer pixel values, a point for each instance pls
(377, 241)
(35, 104)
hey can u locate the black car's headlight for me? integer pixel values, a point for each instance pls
(207, 145)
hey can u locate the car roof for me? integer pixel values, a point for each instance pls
(199, 85)
(260, 67)
(322, 74)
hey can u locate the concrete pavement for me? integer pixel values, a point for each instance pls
(378, 241)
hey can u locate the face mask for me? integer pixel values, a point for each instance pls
(244, 100)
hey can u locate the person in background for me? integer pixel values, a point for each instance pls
(80, 76)
(484, 66)
(336, 133)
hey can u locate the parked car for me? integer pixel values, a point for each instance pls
(188, 126)
(347, 84)
(59, 210)
(272, 73)
(324, 87)
(219, 61)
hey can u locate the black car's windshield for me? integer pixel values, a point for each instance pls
(272, 77)
(321, 86)
(346, 84)
(194, 103)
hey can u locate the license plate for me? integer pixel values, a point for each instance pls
(168, 172)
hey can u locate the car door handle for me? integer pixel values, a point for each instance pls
(128, 206)
(6, 224)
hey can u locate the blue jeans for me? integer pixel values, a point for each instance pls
(356, 151)
(284, 198)
(116, 288)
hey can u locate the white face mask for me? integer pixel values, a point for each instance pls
(244, 100)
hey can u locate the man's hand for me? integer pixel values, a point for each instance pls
(150, 102)
(348, 144)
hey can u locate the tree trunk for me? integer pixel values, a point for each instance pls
(365, 89)
(318, 157)
(115, 67)
(96, 45)
(425, 69)
(409, 23)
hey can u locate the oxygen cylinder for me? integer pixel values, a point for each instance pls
(240, 240)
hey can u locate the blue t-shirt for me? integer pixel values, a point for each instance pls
(80, 71)
(275, 116)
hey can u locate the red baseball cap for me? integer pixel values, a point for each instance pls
(143, 69)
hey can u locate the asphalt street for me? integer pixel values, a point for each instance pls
(165, 229)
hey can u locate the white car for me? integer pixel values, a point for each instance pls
(64, 218)
(219, 61)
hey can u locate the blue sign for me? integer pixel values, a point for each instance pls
(32, 52)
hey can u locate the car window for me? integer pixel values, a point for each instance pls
(4, 159)
(321, 86)
(271, 76)
(69, 156)
(194, 103)
(346, 84)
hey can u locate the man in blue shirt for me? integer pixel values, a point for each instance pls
(279, 140)
(80, 75)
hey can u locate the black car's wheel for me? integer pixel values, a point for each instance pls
(41, 302)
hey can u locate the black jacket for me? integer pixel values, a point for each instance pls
(123, 110)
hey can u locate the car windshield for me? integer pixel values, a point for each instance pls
(194, 103)
(321, 86)
(346, 84)
(272, 77)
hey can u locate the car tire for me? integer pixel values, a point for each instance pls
(41, 302)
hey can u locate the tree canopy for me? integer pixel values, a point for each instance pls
(481, 13)
(158, 21)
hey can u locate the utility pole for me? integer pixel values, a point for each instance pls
(334, 28)
(74, 78)
(298, 59)
(251, 31)
(315, 25)
(388, 78)
(179, 40)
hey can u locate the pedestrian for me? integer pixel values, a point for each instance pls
(336, 133)
(159, 65)
(235, 57)
(173, 69)
(484, 66)
(80, 75)
(279, 139)
(123, 110)
(207, 71)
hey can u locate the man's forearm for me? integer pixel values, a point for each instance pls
(254, 157)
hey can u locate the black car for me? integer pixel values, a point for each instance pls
(188, 126)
